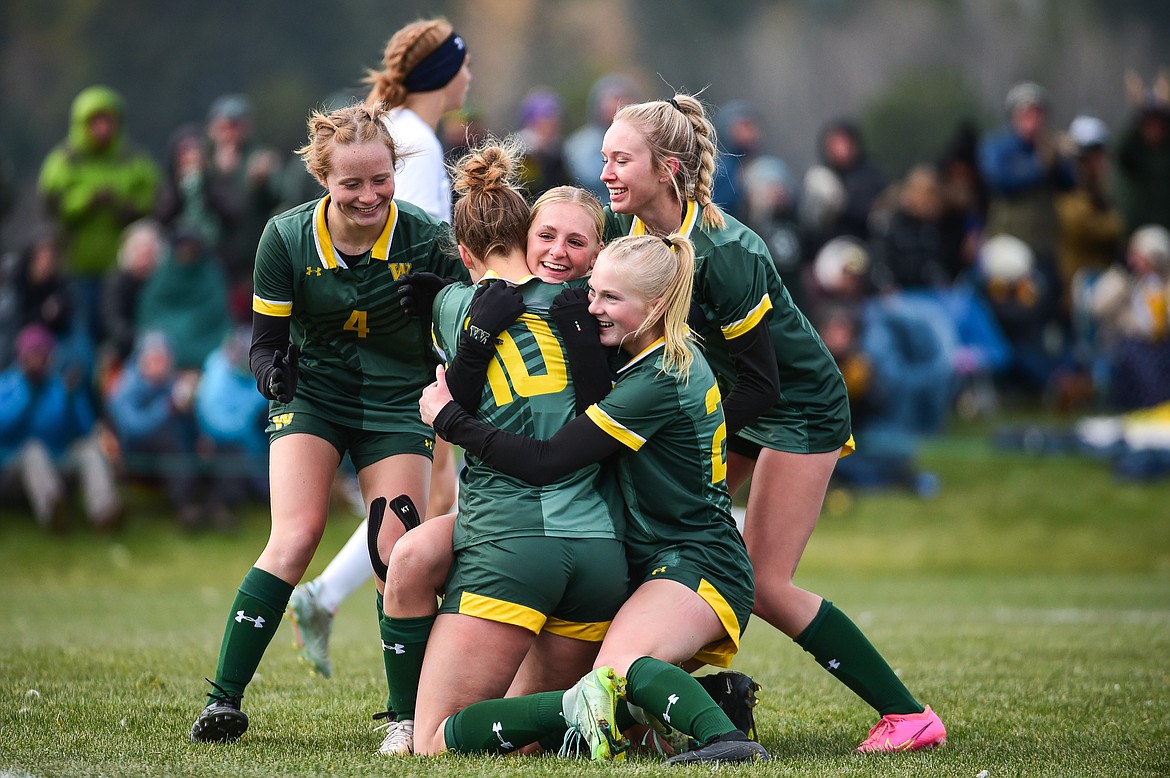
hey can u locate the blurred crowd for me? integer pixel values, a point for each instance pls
(1024, 263)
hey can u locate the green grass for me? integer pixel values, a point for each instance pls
(1029, 604)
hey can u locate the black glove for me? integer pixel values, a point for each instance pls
(417, 293)
(280, 379)
(494, 306)
(588, 362)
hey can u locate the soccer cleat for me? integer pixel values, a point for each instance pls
(312, 624)
(399, 739)
(735, 693)
(590, 710)
(732, 747)
(905, 732)
(221, 721)
(656, 736)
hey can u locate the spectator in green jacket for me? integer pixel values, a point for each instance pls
(92, 185)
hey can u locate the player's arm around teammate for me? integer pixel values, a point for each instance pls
(342, 366)
(563, 239)
(528, 561)
(689, 565)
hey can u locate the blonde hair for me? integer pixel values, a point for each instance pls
(679, 128)
(491, 214)
(138, 232)
(661, 269)
(356, 123)
(577, 196)
(405, 49)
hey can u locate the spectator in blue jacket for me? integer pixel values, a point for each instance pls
(48, 437)
(151, 410)
(232, 416)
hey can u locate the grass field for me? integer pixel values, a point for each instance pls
(1029, 604)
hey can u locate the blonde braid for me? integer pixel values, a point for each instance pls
(705, 142)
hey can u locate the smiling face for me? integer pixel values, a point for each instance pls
(619, 308)
(361, 183)
(562, 242)
(634, 184)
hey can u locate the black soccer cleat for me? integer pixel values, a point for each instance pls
(221, 721)
(732, 747)
(735, 693)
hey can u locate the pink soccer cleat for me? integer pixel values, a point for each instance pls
(905, 732)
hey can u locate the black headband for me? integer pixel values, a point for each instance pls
(437, 68)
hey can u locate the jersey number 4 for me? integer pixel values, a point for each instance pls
(357, 323)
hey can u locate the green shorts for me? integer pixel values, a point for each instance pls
(364, 447)
(716, 566)
(569, 586)
(811, 431)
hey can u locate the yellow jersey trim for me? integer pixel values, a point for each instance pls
(623, 435)
(271, 307)
(737, 328)
(660, 343)
(690, 219)
(321, 237)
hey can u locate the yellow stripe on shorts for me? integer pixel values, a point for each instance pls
(720, 652)
(499, 610)
(589, 631)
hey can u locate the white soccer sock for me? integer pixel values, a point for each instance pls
(347, 571)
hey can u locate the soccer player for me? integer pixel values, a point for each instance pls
(785, 401)
(539, 568)
(564, 236)
(688, 562)
(349, 380)
(426, 73)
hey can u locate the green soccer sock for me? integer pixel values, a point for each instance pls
(251, 625)
(404, 642)
(672, 695)
(501, 726)
(841, 648)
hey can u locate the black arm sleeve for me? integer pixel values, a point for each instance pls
(587, 358)
(467, 372)
(539, 462)
(757, 378)
(269, 335)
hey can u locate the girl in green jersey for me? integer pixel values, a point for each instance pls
(326, 278)
(785, 401)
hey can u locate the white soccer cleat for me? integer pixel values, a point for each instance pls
(399, 739)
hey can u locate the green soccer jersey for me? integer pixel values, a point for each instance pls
(674, 478)
(363, 361)
(528, 391)
(737, 286)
